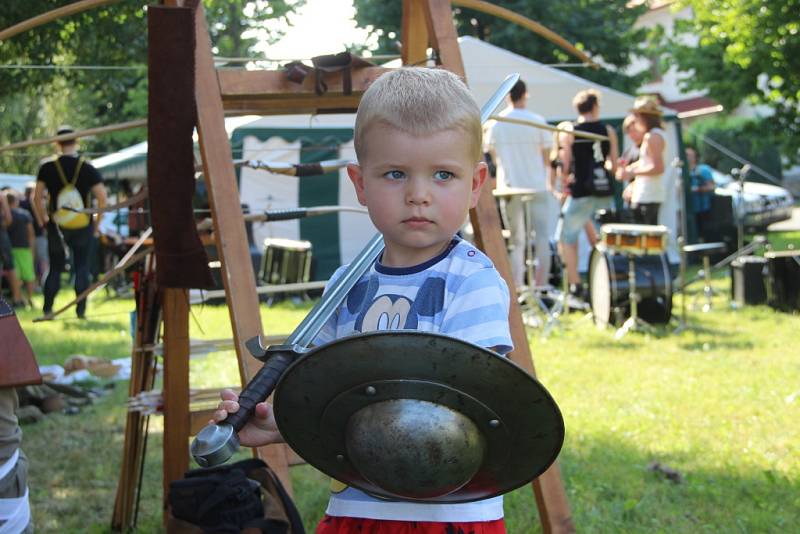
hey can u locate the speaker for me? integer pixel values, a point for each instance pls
(747, 280)
(783, 280)
(721, 226)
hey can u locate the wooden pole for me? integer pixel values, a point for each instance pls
(176, 386)
(223, 194)
(550, 495)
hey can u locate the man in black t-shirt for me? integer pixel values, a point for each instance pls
(54, 175)
(592, 164)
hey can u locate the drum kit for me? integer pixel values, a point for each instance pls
(629, 275)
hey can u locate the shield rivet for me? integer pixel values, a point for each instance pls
(339, 458)
(494, 423)
(370, 390)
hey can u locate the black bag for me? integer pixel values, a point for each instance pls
(242, 497)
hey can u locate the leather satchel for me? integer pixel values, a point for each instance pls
(18, 365)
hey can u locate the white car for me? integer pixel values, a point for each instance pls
(763, 204)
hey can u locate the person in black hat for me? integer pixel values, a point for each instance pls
(70, 181)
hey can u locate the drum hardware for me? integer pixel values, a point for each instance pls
(492, 435)
(634, 323)
(534, 310)
(706, 249)
(758, 242)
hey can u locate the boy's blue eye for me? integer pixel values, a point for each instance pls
(443, 175)
(395, 175)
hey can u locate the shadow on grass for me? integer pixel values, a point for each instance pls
(611, 489)
(75, 466)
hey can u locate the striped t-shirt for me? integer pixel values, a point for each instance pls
(458, 293)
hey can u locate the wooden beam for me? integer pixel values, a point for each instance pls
(223, 194)
(176, 386)
(304, 104)
(139, 123)
(269, 84)
(551, 498)
(414, 33)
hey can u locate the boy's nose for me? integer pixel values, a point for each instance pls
(417, 191)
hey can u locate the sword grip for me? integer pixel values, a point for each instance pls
(259, 388)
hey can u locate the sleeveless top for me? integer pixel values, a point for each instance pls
(587, 155)
(648, 189)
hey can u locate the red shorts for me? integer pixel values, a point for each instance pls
(354, 525)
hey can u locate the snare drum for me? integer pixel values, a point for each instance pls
(639, 239)
(608, 287)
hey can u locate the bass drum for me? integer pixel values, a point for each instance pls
(608, 287)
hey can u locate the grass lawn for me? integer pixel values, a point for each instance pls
(719, 403)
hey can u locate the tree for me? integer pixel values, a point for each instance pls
(33, 101)
(603, 28)
(747, 51)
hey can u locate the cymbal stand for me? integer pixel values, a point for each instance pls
(560, 307)
(684, 220)
(529, 298)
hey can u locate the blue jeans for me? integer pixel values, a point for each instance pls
(78, 243)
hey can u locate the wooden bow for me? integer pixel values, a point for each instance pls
(525, 22)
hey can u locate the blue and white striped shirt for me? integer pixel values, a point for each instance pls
(458, 293)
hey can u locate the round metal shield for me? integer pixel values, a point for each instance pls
(333, 393)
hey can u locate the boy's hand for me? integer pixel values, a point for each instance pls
(260, 430)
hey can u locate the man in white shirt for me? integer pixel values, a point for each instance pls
(520, 153)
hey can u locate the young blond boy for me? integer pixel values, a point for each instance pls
(420, 170)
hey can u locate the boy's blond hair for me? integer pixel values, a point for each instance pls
(419, 101)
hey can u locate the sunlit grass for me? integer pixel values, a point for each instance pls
(719, 403)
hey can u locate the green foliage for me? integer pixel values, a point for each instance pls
(34, 101)
(748, 50)
(602, 28)
(749, 138)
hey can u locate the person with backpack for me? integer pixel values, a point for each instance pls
(591, 165)
(71, 181)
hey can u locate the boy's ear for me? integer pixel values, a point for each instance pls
(479, 176)
(354, 172)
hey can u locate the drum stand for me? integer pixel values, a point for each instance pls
(632, 323)
(682, 323)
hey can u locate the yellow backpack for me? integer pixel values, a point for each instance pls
(69, 201)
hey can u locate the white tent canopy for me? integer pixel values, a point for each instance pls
(551, 91)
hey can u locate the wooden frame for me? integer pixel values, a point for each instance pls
(425, 23)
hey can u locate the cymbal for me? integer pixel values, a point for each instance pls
(368, 410)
